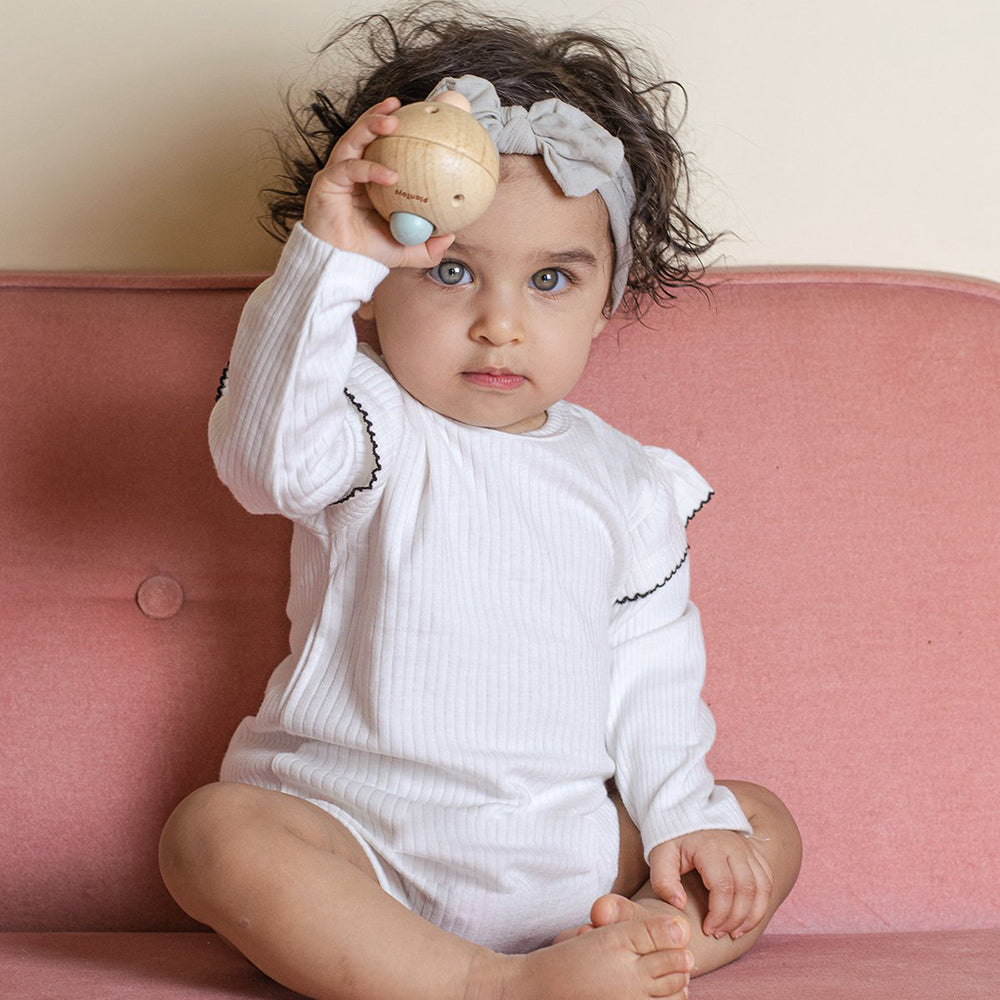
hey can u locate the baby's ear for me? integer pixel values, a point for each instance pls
(366, 311)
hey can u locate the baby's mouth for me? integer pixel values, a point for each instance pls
(494, 378)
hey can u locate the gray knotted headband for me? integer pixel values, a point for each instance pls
(581, 155)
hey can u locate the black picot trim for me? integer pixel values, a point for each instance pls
(378, 460)
(662, 583)
(223, 382)
(676, 569)
(711, 493)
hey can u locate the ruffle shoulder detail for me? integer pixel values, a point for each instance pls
(690, 489)
(376, 397)
(669, 496)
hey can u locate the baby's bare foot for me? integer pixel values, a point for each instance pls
(615, 909)
(626, 960)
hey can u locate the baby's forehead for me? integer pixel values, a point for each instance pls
(531, 177)
(528, 192)
(513, 165)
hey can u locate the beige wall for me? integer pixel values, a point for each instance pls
(860, 132)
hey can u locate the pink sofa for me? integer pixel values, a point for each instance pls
(848, 570)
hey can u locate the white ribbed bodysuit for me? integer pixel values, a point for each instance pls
(485, 627)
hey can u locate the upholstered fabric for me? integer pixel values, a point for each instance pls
(847, 571)
(194, 966)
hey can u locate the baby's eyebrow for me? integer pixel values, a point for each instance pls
(580, 256)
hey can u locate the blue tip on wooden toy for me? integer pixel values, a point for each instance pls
(410, 230)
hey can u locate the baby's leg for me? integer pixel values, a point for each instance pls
(291, 888)
(776, 837)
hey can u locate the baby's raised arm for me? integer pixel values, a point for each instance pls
(286, 435)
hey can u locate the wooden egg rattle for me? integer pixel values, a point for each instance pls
(448, 170)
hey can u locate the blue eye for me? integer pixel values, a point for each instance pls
(450, 272)
(549, 279)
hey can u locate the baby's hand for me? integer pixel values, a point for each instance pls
(738, 878)
(338, 209)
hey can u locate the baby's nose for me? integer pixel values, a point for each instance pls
(499, 324)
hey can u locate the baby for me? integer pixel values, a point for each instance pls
(481, 771)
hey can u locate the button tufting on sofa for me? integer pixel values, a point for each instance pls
(160, 597)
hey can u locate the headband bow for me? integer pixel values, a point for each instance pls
(580, 155)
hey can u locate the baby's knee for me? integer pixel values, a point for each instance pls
(760, 804)
(204, 838)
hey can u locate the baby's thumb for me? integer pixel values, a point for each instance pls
(665, 874)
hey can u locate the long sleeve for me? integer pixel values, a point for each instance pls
(660, 729)
(285, 436)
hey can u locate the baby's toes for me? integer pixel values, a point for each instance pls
(615, 909)
(654, 935)
(573, 932)
(670, 968)
(670, 988)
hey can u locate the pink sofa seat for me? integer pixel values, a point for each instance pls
(847, 570)
(125, 965)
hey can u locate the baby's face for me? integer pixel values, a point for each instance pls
(502, 328)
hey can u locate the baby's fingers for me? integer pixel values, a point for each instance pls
(376, 121)
(337, 208)
(344, 174)
(665, 871)
(730, 887)
(342, 169)
(762, 898)
(739, 890)
(422, 255)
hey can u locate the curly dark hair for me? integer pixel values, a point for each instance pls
(404, 51)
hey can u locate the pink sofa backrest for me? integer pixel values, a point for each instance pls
(848, 572)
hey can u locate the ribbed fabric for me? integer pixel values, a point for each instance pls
(485, 626)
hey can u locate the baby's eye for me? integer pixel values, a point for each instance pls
(450, 272)
(549, 279)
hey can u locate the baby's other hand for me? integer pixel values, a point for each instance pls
(738, 878)
(338, 209)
